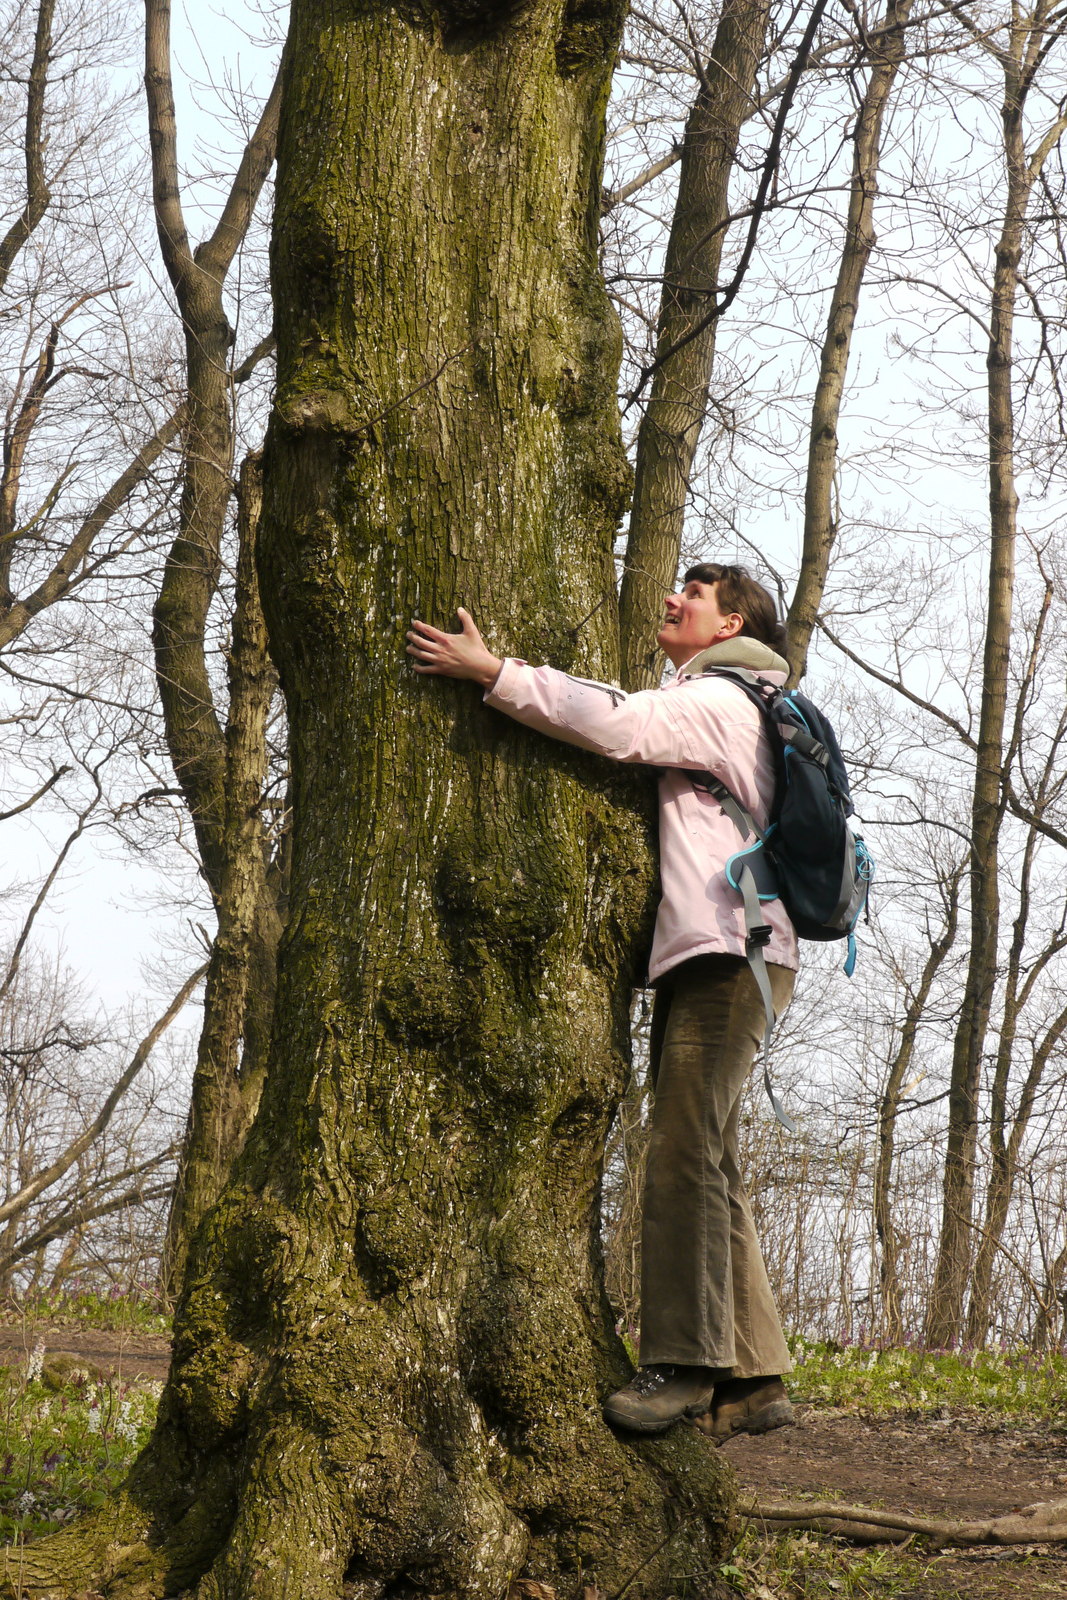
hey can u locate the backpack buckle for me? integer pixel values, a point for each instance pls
(758, 936)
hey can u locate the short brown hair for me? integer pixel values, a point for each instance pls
(737, 590)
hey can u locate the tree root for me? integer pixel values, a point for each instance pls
(105, 1547)
(1043, 1523)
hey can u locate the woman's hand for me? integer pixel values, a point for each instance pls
(453, 655)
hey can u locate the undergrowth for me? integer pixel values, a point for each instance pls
(802, 1564)
(1005, 1382)
(118, 1310)
(68, 1436)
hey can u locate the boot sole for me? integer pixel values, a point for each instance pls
(777, 1415)
(659, 1425)
(633, 1426)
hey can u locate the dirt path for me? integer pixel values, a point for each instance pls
(952, 1466)
(130, 1355)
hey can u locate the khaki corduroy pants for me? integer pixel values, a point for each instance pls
(705, 1297)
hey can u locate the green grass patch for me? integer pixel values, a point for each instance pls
(804, 1566)
(1010, 1383)
(123, 1312)
(67, 1439)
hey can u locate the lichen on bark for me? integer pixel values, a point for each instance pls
(394, 1340)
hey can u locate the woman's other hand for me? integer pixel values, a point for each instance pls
(452, 655)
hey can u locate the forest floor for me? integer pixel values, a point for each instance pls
(963, 1436)
(960, 1465)
(130, 1354)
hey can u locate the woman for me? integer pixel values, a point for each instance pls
(710, 1335)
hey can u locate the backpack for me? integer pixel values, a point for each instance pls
(808, 856)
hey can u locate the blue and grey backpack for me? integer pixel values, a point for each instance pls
(808, 856)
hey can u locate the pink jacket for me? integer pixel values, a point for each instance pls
(704, 724)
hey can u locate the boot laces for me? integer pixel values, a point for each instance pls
(649, 1379)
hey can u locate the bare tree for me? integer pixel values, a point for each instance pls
(674, 416)
(220, 773)
(884, 49)
(69, 546)
(1020, 46)
(71, 1154)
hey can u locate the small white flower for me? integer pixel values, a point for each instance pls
(26, 1502)
(94, 1422)
(35, 1364)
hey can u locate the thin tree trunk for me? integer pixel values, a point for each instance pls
(820, 523)
(220, 773)
(1003, 1170)
(889, 1106)
(671, 427)
(1004, 1145)
(1046, 1325)
(241, 974)
(394, 1340)
(194, 736)
(945, 1315)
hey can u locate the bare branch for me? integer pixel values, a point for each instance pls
(57, 1169)
(37, 191)
(32, 801)
(901, 689)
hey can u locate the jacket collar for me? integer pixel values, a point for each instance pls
(752, 654)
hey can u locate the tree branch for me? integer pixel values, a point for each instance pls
(37, 191)
(770, 167)
(51, 1174)
(32, 801)
(895, 683)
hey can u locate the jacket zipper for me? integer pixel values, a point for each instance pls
(605, 688)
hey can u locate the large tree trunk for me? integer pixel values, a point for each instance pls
(394, 1340)
(671, 427)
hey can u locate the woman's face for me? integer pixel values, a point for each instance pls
(694, 621)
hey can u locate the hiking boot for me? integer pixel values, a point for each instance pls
(658, 1395)
(747, 1405)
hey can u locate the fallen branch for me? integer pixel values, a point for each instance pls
(1044, 1523)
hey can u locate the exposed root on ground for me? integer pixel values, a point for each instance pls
(1043, 1523)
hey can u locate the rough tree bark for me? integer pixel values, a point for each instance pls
(1020, 59)
(886, 53)
(216, 770)
(393, 1340)
(674, 418)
